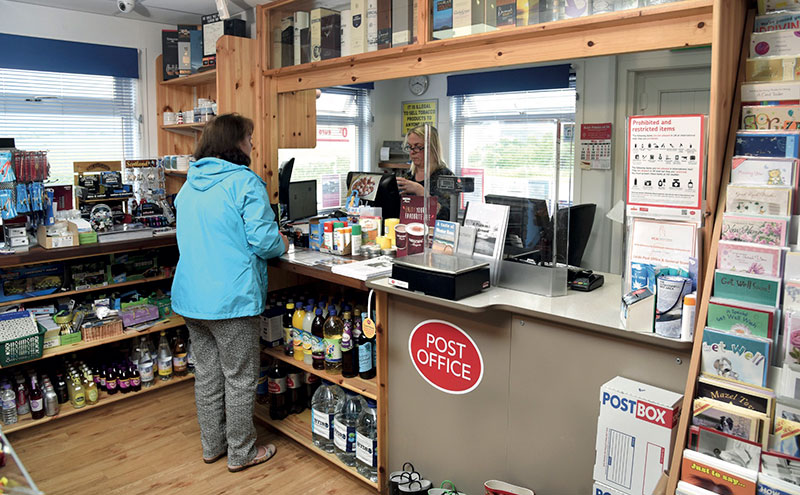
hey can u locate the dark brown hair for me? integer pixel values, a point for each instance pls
(221, 137)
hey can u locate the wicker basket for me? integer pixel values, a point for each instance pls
(110, 329)
(23, 348)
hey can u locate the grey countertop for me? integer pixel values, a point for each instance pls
(595, 311)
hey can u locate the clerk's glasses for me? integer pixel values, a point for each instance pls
(416, 148)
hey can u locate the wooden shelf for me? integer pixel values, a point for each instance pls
(367, 388)
(177, 173)
(394, 165)
(40, 255)
(321, 272)
(166, 324)
(688, 22)
(67, 410)
(298, 428)
(191, 129)
(105, 200)
(91, 289)
(195, 79)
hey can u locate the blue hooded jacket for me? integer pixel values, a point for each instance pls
(226, 232)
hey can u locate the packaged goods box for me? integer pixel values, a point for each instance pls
(636, 431)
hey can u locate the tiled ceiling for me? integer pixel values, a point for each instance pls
(162, 11)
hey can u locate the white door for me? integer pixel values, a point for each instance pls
(673, 92)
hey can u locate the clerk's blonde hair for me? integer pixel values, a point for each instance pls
(434, 145)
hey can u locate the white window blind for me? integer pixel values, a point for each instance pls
(74, 117)
(343, 136)
(511, 139)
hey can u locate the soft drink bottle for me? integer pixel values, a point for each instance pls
(145, 365)
(123, 379)
(333, 343)
(311, 382)
(297, 332)
(349, 357)
(318, 341)
(327, 402)
(308, 339)
(179, 352)
(366, 357)
(136, 378)
(288, 333)
(111, 381)
(262, 389)
(278, 396)
(9, 405)
(297, 391)
(50, 401)
(61, 389)
(367, 442)
(344, 428)
(164, 358)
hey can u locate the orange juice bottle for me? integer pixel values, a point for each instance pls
(297, 332)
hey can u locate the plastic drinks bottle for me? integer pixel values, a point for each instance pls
(318, 341)
(312, 384)
(349, 358)
(344, 428)
(288, 333)
(297, 391)
(145, 365)
(333, 343)
(308, 339)
(278, 394)
(179, 352)
(327, 402)
(297, 332)
(164, 358)
(9, 405)
(367, 442)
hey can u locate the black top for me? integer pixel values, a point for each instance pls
(443, 197)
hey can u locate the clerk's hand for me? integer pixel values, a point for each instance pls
(409, 187)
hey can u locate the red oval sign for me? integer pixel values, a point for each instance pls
(446, 356)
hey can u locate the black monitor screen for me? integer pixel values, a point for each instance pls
(529, 225)
(302, 199)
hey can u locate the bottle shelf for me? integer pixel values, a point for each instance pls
(25, 421)
(298, 428)
(165, 324)
(367, 388)
(90, 289)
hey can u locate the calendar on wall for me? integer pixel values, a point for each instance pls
(596, 146)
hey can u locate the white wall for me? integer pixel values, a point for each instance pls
(46, 22)
(387, 99)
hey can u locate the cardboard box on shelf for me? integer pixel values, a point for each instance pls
(68, 240)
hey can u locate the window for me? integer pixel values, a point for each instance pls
(343, 118)
(74, 117)
(508, 141)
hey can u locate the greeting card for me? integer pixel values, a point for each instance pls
(759, 200)
(747, 288)
(750, 258)
(764, 171)
(777, 144)
(768, 231)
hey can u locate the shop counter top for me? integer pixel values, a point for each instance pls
(597, 310)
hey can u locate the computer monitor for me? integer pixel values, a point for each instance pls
(529, 225)
(284, 178)
(378, 190)
(302, 199)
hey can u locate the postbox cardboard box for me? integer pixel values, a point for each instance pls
(636, 431)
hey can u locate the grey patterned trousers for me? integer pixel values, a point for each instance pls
(226, 375)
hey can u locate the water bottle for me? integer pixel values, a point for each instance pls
(328, 400)
(50, 401)
(145, 365)
(344, 428)
(367, 442)
(9, 405)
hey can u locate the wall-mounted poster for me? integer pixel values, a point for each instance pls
(416, 113)
(666, 154)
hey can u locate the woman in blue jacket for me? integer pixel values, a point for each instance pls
(226, 232)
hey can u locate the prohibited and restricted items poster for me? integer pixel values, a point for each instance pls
(666, 156)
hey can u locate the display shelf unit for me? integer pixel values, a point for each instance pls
(298, 428)
(190, 129)
(98, 288)
(165, 324)
(193, 79)
(25, 421)
(367, 388)
(40, 255)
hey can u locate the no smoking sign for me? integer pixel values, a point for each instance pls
(446, 357)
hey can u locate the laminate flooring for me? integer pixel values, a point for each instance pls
(151, 445)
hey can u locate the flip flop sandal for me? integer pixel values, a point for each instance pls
(269, 451)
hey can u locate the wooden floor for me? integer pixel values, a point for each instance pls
(151, 445)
